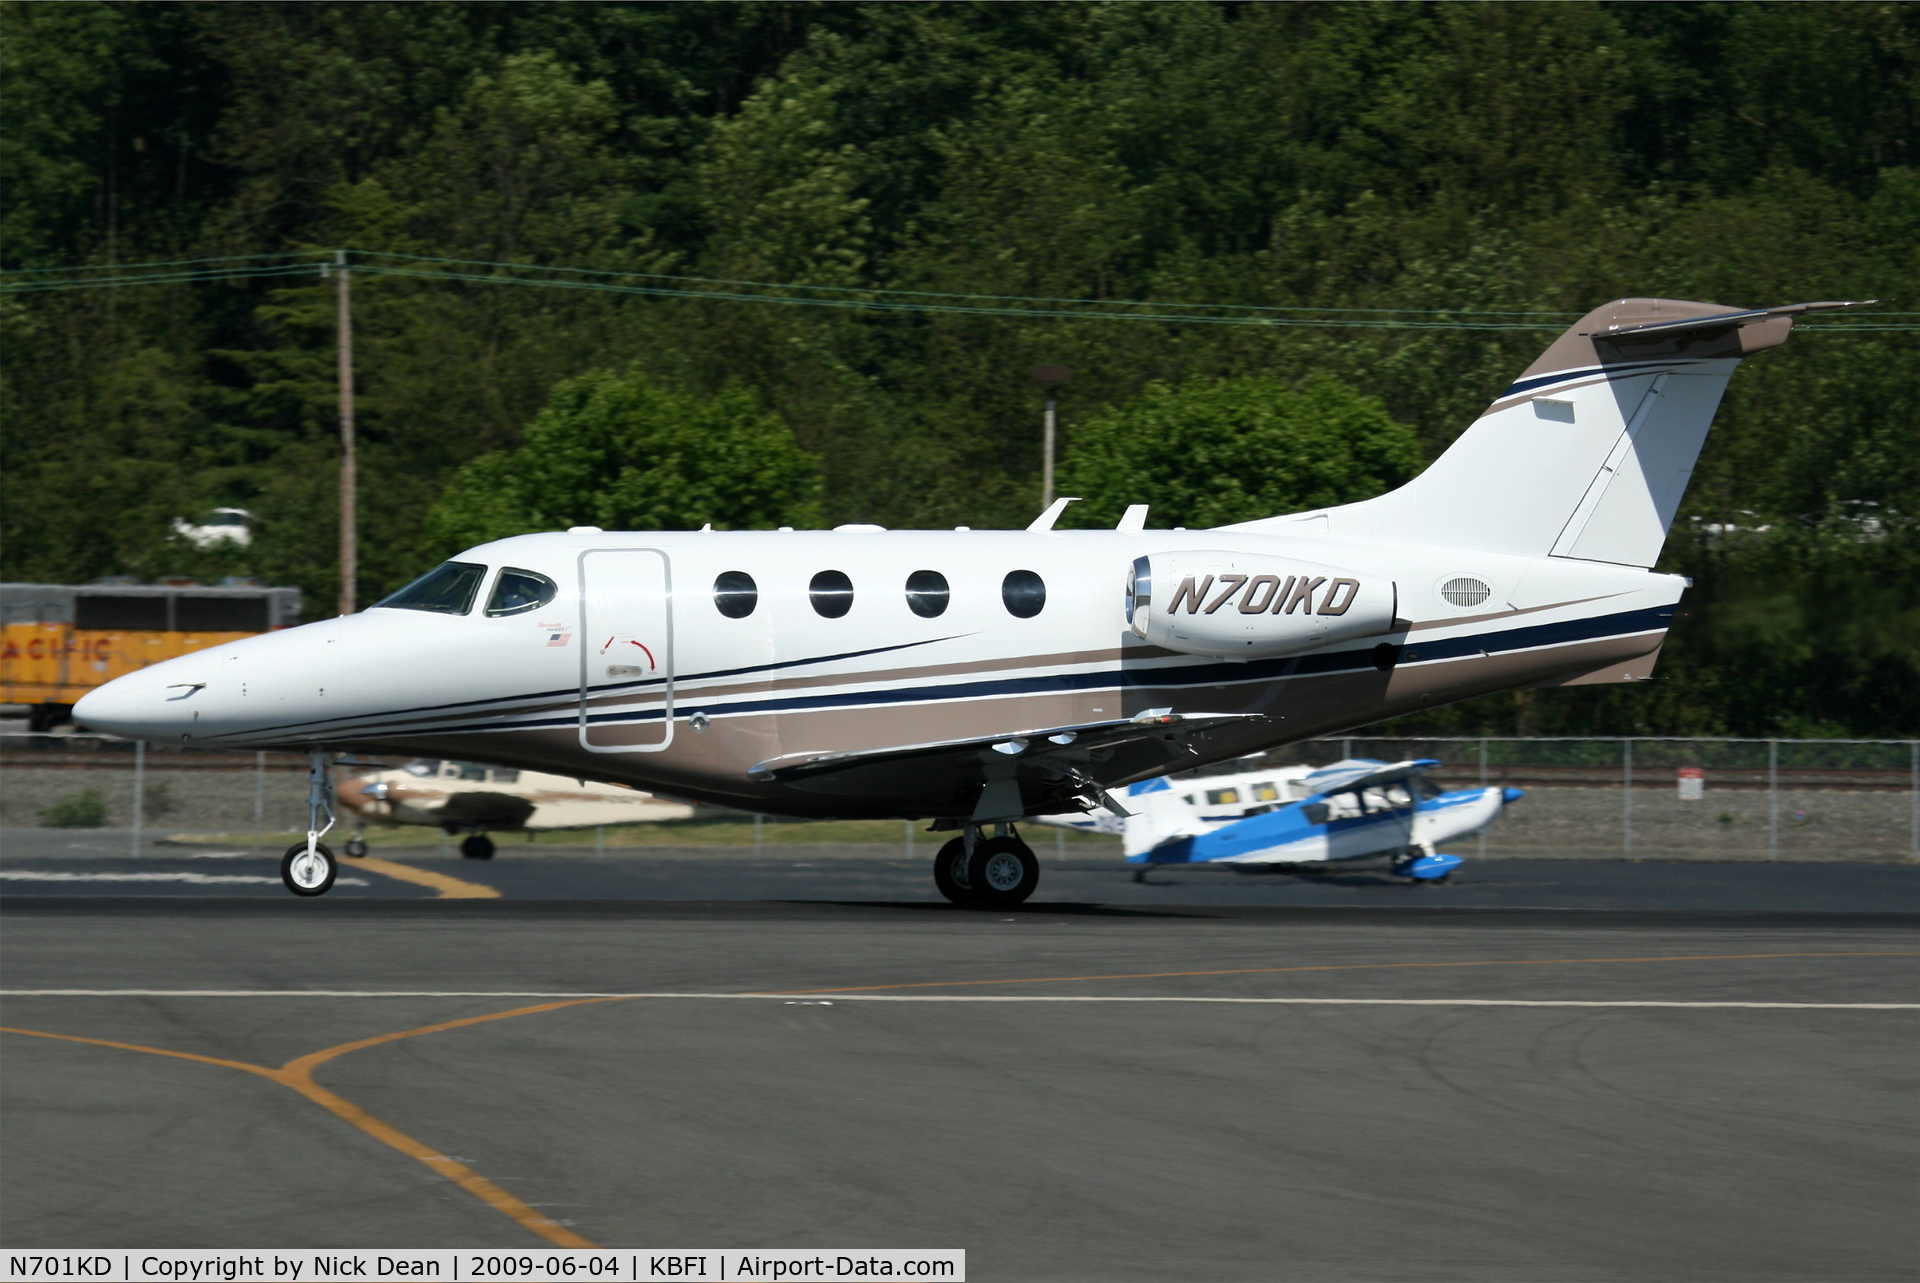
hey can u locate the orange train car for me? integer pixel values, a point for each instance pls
(59, 641)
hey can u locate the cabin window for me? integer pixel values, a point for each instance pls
(1223, 797)
(501, 775)
(520, 590)
(1265, 792)
(425, 768)
(927, 593)
(735, 594)
(831, 593)
(473, 771)
(447, 589)
(1024, 592)
(1317, 812)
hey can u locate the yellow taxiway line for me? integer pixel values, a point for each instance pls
(448, 887)
(297, 1074)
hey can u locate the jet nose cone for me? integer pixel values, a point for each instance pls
(163, 702)
(114, 708)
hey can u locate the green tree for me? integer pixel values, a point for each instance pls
(1215, 451)
(614, 450)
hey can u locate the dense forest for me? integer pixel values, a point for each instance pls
(777, 263)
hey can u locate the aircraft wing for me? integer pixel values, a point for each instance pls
(1360, 774)
(1051, 764)
(493, 810)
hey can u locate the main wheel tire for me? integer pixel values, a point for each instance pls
(305, 876)
(477, 847)
(1003, 871)
(950, 872)
(356, 848)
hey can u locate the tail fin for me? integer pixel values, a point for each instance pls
(1587, 454)
(1160, 814)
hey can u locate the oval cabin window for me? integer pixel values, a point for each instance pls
(735, 594)
(1024, 592)
(831, 593)
(927, 593)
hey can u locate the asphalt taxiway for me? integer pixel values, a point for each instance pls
(1084, 1088)
(48, 862)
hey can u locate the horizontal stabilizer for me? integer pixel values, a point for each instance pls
(1723, 319)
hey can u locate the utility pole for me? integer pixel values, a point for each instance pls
(349, 499)
(1051, 377)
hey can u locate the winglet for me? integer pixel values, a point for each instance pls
(1046, 519)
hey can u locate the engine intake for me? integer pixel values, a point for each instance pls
(1246, 606)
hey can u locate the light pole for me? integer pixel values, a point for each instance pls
(1050, 377)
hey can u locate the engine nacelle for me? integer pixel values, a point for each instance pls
(1248, 606)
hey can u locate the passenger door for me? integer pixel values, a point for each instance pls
(626, 650)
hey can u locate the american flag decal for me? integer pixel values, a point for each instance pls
(558, 639)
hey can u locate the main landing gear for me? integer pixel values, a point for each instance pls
(999, 871)
(477, 846)
(308, 867)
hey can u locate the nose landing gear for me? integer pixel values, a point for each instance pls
(308, 867)
(999, 871)
(477, 847)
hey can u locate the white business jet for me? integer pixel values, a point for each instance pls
(982, 677)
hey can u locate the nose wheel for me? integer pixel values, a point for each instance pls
(477, 847)
(308, 871)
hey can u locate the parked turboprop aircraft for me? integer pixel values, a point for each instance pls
(471, 798)
(1350, 810)
(981, 677)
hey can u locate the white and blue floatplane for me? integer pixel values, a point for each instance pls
(1351, 810)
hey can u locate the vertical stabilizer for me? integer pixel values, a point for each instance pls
(1587, 454)
(1159, 815)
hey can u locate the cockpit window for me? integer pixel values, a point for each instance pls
(447, 589)
(518, 590)
(425, 767)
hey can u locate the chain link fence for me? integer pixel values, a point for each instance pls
(1674, 798)
(1639, 798)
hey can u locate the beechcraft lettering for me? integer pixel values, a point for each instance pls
(1262, 591)
(984, 678)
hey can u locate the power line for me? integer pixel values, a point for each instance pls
(845, 298)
